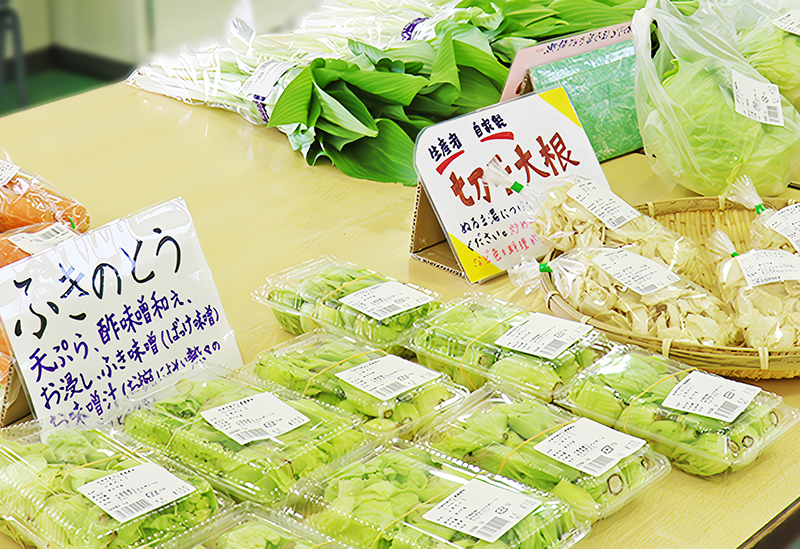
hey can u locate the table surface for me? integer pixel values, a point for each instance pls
(258, 208)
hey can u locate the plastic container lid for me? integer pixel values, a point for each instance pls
(247, 526)
(313, 295)
(498, 431)
(267, 454)
(310, 364)
(460, 340)
(42, 471)
(381, 497)
(626, 389)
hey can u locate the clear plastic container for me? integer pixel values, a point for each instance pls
(459, 340)
(42, 469)
(377, 498)
(256, 466)
(247, 526)
(625, 390)
(309, 296)
(498, 430)
(309, 364)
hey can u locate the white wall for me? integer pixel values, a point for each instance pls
(35, 21)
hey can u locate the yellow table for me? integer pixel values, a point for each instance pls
(259, 208)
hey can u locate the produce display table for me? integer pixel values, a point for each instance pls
(259, 208)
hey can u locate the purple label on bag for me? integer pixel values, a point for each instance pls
(408, 30)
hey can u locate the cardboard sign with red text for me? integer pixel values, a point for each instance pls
(535, 138)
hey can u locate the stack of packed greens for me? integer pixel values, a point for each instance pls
(626, 390)
(309, 364)
(377, 500)
(308, 296)
(261, 470)
(41, 472)
(459, 340)
(247, 526)
(499, 432)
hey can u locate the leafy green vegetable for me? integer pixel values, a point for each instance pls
(309, 364)
(776, 55)
(626, 390)
(499, 434)
(39, 484)
(262, 470)
(379, 501)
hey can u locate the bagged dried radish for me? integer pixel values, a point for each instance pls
(618, 287)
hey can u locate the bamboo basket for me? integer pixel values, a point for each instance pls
(696, 218)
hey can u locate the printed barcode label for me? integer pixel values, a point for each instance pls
(385, 299)
(543, 335)
(40, 241)
(482, 510)
(602, 203)
(711, 396)
(255, 418)
(761, 267)
(789, 22)
(786, 222)
(640, 274)
(7, 172)
(588, 446)
(754, 99)
(387, 377)
(129, 494)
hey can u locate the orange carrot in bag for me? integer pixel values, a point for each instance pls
(27, 200)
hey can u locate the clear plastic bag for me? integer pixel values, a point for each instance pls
(674, 308)
(685, 102)
(29, 200)
(626, 390)
(310, 365)
(498, 431)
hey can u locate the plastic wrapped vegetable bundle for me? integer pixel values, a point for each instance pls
(42, 472)
(628, 391)
(319, 294)
(317, 365)
(461, 340)
(499, 431)
(384, 498)
(579, 213)
(256, 455)
(763, 286)
(685, 102)
(667, 307)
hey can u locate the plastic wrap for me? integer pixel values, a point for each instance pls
(679, 310)
(309, 296)
(42, 470)
(310, 363)
(626, 390)
(247, 526)
(767, 303)
(28, 200)
(259, 466)
(498, 432)
(764, 233)
(377, 498)
(460, 340)
(562, 219)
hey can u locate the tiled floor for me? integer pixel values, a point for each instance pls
(45, 87)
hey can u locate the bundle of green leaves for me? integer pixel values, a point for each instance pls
(775, 54)
(262, 470)
(39, 482)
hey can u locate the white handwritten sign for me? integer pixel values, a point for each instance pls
(105, 314)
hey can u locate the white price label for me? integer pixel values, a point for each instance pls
(263, 79)
(482, 510)
(129, 494)
(254, 418)
(766, 266)
(711, 396)
(640, 274)
(40, 241)
(760, 101)
(387, 377)
(786, 222)
(543, 335)
(385, 299)
(602, 203)
(789, 22)
(7, 172)
(589, 446)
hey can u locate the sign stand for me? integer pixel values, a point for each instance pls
(428, 241)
